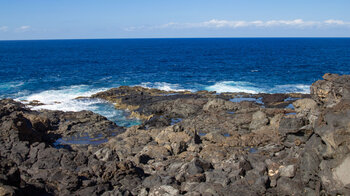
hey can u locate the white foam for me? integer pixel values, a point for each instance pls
(247, 87)
(64, 98)
(164, 86)
(234, 87)
(71, 105)
(291, 88)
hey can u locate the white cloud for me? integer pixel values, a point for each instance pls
(215, 24)
(336, 22)
(4, 29)
(23, 28)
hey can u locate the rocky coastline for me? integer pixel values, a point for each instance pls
(189, 143)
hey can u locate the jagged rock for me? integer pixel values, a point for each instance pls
(305, 106)
(330, 91)
(104, 154)
(218, 147)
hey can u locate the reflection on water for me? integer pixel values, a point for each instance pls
(291, 99)
(175, 120)
(83, 139)
(226, 135)
(240, 99)
(290, 106)
(292, 113)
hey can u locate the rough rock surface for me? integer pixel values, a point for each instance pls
(199, 143)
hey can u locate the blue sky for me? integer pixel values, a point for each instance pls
(71, 19)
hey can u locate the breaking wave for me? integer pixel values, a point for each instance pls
(247, 87)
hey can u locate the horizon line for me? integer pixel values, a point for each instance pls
(126, 38)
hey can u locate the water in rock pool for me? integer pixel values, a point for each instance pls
(55, 72)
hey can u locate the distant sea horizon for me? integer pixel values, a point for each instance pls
(117, 38)
(58, 70)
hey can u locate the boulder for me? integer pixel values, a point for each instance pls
(287, 171)
(290, 125)
(164, 190)
(330, 91)
(259, 120)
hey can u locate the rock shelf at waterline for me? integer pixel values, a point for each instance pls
(189, 143)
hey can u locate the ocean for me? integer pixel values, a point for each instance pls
(55, 72)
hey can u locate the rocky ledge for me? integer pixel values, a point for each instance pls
(200, 143)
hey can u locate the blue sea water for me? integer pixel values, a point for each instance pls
(56, 71)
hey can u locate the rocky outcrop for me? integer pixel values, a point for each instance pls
(332, 90)
(189, 143)
(30, 162)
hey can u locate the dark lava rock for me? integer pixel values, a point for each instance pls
(219, 147)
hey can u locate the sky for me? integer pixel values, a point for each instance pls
(88, 19)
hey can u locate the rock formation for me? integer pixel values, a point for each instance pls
(199, 143)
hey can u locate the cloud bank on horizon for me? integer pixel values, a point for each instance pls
(214, 23)
(215, 27)
(89, 19)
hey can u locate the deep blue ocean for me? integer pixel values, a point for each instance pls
(53, 71)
